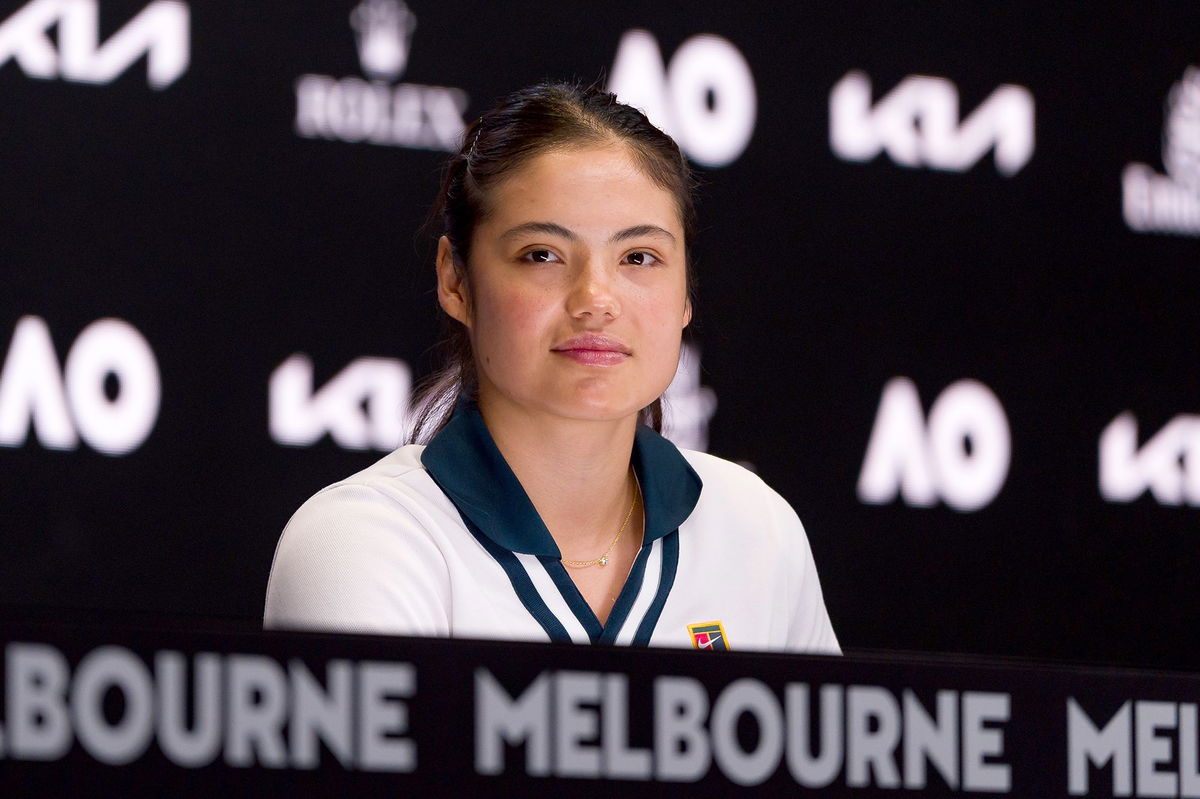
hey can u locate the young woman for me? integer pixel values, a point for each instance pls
(545, 505)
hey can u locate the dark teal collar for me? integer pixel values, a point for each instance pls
(465, 463)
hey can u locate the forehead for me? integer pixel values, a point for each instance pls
(589, 188)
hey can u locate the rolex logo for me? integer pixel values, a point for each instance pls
(384, 30)
(1169, 203)
(382, 109)
(1181, 134)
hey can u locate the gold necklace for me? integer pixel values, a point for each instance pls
(603, 559)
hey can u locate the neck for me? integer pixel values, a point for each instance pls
(576, 472)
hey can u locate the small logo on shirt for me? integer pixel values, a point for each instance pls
(709, 635)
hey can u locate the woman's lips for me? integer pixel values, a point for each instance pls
(594, 357)
(593, 350)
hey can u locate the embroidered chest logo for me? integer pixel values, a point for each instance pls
(709, 635)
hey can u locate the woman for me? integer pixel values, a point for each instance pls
(542, 508)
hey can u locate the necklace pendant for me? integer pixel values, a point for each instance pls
(604, 561)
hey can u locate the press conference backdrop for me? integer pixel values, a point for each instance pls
(948, 275)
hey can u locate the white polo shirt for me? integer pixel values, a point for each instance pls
(443, 541)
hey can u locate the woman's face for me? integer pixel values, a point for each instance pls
(576, 293)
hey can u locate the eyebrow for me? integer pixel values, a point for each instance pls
(554, 229)
(640, 231)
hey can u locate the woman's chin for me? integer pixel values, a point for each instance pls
(598, 409)
(594, 403)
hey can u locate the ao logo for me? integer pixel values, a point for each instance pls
(64, 404)
(1168, 465)
(924, 462)
(160, 32)
(364, 406)
(705, 99)
(917, 124)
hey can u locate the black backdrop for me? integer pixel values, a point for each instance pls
(200, 214)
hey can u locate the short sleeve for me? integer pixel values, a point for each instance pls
(355, 560)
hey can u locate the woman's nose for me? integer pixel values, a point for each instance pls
(593, 294)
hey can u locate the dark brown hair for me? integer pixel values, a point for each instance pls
(527, 123)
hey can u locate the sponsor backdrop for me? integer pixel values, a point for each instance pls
(947, 285)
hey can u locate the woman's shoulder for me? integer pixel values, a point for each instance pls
(394, 494)
(735, 498)
(398, 465)
(399, 477)
(729, 478)
(344, 551)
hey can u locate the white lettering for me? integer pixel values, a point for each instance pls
(706, 99)
(576, 721)
(1153, 749)
(382, 717)
(928, 740)
(320, 714)
(113, 347)
(1189, 769)
(501, 719)
(872, 732)
(917, 124)
(620, 760)
(200, 745)
(364, 406)
(160, 32)
(962, 456)
(681, 747)
(1143, 741)
(256, 707)
(1154, 203)
(35, 689)
(354, 110)
(810, 771)
(981, 741)
(752, 697)
(898, 457)
(101, 669)
(247, 709)
(1088, 744)
(1168, 465)
(32, 392)
(968, 412)
(1170, 203)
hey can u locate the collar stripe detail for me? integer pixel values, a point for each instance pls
(543, 583)
(646, 593)
(670, 564)
(627, 597)
(523, 586)
(575, 601)
(466, 464)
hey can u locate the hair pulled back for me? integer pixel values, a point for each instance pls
(527, 123)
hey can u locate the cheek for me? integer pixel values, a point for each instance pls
(664, 331)
(505, 322)
(668, 315)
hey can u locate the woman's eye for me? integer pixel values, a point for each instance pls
(540, 256)
(640, 258)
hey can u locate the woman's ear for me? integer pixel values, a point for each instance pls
(687, 311)
(452, 284)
